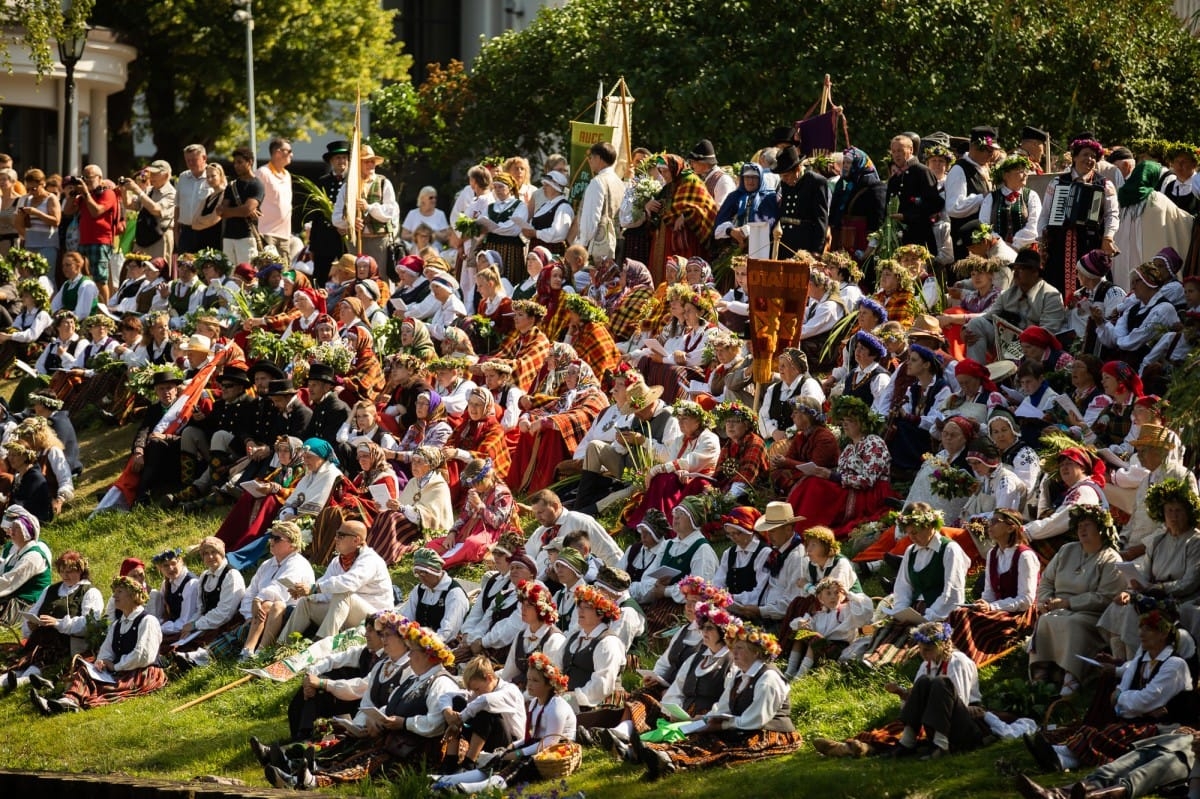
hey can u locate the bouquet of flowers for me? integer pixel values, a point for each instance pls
(266, 346)
(481, 327)
(387, 337)
(645, 188)
(949, 482)
(332, 354)
(466, 227)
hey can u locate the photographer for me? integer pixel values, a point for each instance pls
(154, 234)
(99, 211)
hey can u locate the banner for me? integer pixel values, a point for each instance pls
(286, 669)
(778, 296)
(583, 136)
(817, 134)
(618, 113)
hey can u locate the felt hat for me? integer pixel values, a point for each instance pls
(281, 388)
(985, 137)
(428, 561)
(213, 543)
(323, 372)
(164, 377)
(694, 508)
(927, 326)
(365, 153)
(519, 557)
(1030, 132)
(234, 374)
(159, 167)
(1028, 258)
(704, 152)
(777, 514)
(339, 147)
(266, 367)
(198, 343)
(788, 159)
(984, 451)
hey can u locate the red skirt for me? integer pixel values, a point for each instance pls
(829, 504)
(665, 492)
(988, 635)
(88, 693)
(541, 470)
(393, 536)
(249, 519)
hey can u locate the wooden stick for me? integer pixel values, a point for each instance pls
(211, 694)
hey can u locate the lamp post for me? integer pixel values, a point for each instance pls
(70, 52)
(245, 13)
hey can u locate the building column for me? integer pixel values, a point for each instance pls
(98, 130)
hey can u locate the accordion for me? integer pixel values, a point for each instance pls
(1075, 204)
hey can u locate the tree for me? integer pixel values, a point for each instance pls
(36, 23)
(731, 70)
(191, 66)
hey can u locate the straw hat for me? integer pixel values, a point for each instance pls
(777, 514)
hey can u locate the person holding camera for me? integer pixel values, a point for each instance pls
(154, 202)
(99, 213)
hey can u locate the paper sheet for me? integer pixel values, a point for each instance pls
(905, 615)
(97, 675)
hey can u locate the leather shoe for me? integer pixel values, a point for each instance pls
(1043, 752)
(40, 682)
(658, 764)
(39, 702)
(10, 681)
(278, 777)
(262, 752)
(584, 737)
(904, 751)
(1083, 790)
(1031, 790)
(62, 706)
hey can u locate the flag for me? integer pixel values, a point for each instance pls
(583, 136)
(353, 188)
(778, 295)
(618, 113)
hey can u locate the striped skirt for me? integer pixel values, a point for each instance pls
(729, 748)
(987, 635)
(663, 614)
(88, 693)
(1095, 746)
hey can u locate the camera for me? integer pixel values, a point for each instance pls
(72, 181)
(122, 181)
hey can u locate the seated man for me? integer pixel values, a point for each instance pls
(345, 595)
(556, 521)
(1029, 301)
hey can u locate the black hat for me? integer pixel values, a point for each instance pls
(323, 372)
(281, 388)
(1028, 258)
(164, 377)
(787, 160)
(985, 133)
(234, 374)
(703, 151)
(267, 367)
(969, 228)
(1120, 153)
(1030, 132)
(782, 135)
(339, 147)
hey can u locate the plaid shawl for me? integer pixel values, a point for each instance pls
(485, 439)
(898, 307)
(528, 352)
(366, 374)
(691, 198)
(742, 461)
(596, 347)
(625, 321)
(554, 325)
(574, 422)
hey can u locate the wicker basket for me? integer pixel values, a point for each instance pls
(551, 768)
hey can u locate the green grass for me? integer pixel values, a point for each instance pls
(142, 738)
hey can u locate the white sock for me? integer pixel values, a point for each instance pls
(1068, 760)
(793, 663)
(625, 730)
(22, 682)
(941, 741)
(908, 739)
(805, 666)
(483, 785)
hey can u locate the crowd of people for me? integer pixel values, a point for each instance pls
(972, 407)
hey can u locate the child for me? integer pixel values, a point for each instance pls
(824, 634)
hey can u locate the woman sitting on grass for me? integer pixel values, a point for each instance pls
(24, 564)
(127, 658)
(751, 721)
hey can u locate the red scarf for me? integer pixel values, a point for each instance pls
(347, 561)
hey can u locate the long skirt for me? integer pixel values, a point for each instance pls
(93, 391)
(88, 693)
(64, 383)
(250, 518)
(44, 647)
(11, 609)
(1060, 635)
(824, 502)
(208, 636)
(542, 453)
(729, 748)
(662, 614)
(988, 635)
(637, 246)
(664, 493)
(892, 645)
(472, 549)
(512, 253)
(673, 379)
(1097, 745)
(393, 536)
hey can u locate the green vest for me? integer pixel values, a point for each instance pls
(683, 562)
(34, 586)
(375, 195)
(928, 583)
(70, 296)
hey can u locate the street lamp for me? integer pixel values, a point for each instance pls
(70, 52)
(245, 13)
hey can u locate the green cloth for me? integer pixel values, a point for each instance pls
(1140, 184)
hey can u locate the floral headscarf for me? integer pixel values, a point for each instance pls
(422, 342)
(861, 173)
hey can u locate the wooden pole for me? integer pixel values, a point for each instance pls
(826, 95)
(625, 121)
(211, 694)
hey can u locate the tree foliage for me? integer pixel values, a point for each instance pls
(34, 24)
(191, 65)
(731, 70)
(422, 124)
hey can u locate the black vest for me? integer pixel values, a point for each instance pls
(62, 606)
(125, 642)
(740, 702)
(431, 615)
(975, 185)
(173, 600)
(743, 578)
(210, 598)
(863, 389)
(521, 657)
(701, 691)
(579, 666)
(409, 698)
(546, 218)
(381, 689)
(678, 652)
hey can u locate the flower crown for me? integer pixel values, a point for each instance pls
(1017, 161)
(587, 310)
(605, 607)
(681, 292)
(755, 636)
(441, 364)
(534, 593)
(31, 286)
(262, 259)
(917, 251)
(932, 633)
(428, 641)
(135, 588)
(685, 407)
(540, 662)
(836, 259)
(849, 407)
(1096, 513)
(708, 613)
(903, 276)
(1172, 490)
(923, 518)
(939, 151)
(390, 620)
(736, 410)
(32, 262)
(977, 263)
(697, 586)
(215, 258)
(1091, 144)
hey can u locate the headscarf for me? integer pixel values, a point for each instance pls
(1125, 376)
(1140, 184)
(484, 395)
(637, 276)
(973, 368)
(861, 173)
(322, 449)
(541, 253)
(295, 445)
(1039, 337)
(706, 274)
(676, 166)
(437, 409)
(379, 463)
(748, 202)
(16, 514)
(372, 271)
(547, 295)
(1093, 468)
(317, 300)
(422, 342)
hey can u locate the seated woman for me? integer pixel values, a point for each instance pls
(823, 561)
(854, 491)
(365, 379)
(452, 382)
(266, 600)
(587, 332)
(38, 435)
(29, 487)
(415, 339)
(751, 721)
(30, 326)
(1005, 614)
(930, 583)
(252, 515)
(488, 512)
(742, 464)
(999, 486)
(1170, 567)
(929, 486)
(550, 433)
(129, 655)
(975, 388)
(916, 413)
(539, 632)
(633, 303)
(1076, 586)
(1154, 688)
(675, 361)
(698, 685)
(689, 472)
(361, 498)
(868, 316)
(220, 591)
(942, 705)
(25, 568)
(430, 429)
(480, 436)
(1123, 387)
(814, 443)
(308, 498)
(895, 292)
(553, 287)
(1080, 481)
(972, 303)
(820, 331)
(1005, 433)
(1086, 394)
(592, 656)
(65, 610)
(866, 377)
(422, 508)
(492, 321)
(363, 423)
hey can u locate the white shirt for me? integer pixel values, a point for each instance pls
(836, 624)
(92, 606)
(561, 222)
(367, 578)
(457, 605)
(88, 292)
(785, 586)
(1082, 493)
(504, 701)
(30, 324)
(963, 674)
(1027, 579)
(821, 317)
(608, 660)
(953, 593)
(502, 593)
(802, 386)
(386, 669)
(1028, 233)
(552, 648)
(349, 688)
(1172, 678)
(265, 584)
(439, 688)
(190, 193)
(1162, 317)
(555, 719)
(770, 693)
(145, 651)
(387, 210)
(742, 557)
(704, 561)
(675, 694)
(444, 315)
(436, 221)
(233, 588)
(189, 610)
(645, 560)
(958, 204)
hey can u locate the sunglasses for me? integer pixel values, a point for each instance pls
(343, 534)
